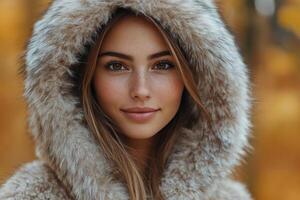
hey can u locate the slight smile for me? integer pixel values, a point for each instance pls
(139, 114)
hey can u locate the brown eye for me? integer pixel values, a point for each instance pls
(115, 66)
(164, 65)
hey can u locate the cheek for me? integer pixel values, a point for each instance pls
(108, 91)
(169, 90)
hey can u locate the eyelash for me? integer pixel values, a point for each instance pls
(108, 65)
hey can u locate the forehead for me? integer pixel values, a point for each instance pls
(134, 34)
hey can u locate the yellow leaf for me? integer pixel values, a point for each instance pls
(289, 18)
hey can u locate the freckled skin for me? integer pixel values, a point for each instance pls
(140, 85)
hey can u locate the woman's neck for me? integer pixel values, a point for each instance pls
(141, 150)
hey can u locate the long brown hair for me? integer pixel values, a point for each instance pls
(140, 186)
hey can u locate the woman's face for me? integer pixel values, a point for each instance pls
(136, 82)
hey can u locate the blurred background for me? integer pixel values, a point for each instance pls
(268, 34)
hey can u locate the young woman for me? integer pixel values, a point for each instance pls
(133, 100)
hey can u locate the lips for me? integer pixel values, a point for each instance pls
(139, 114)
(139, 109)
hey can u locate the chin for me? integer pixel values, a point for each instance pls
(141, 133)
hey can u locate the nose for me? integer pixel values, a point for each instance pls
(139, 86)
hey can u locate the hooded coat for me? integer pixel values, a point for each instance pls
(70, 164)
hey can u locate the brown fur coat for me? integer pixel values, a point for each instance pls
(70, 164)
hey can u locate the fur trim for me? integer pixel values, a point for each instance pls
(33, 181)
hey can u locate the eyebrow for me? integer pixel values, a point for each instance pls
(128, 57)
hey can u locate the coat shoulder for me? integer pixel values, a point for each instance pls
(33, 181)
(228, 190)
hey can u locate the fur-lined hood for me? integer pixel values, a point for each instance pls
(203, 158)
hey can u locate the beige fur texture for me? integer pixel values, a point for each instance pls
(71, 165)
